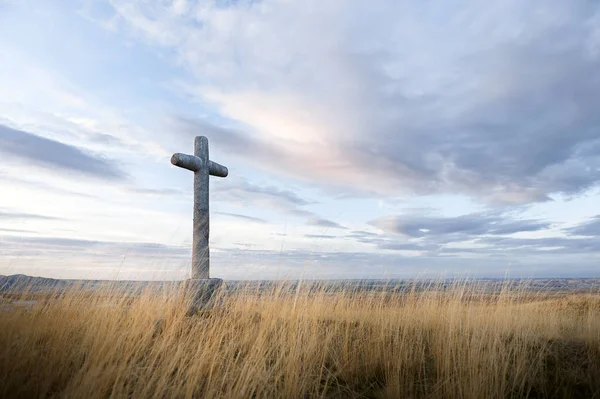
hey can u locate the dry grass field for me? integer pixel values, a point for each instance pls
(279, 343)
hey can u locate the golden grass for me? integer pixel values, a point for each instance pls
(457, 343)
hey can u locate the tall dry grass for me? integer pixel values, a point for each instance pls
(282, 343)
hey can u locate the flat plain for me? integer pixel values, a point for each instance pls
(445, 339)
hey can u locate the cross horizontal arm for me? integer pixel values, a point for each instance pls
(189, 162)
(194, 163)
(215, 169)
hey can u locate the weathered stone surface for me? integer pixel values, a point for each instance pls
(203, 168)
(193, 163)
(203, 293)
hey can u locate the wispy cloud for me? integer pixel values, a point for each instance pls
(549, 245)
(155, 192)
(43, 186)
(591, 228)
(242, 217)
(33, 150)
(320, 236)
(109, 248)
(15, 215)
(239, 191)
(242, 191)
(463, 226)
(20, 231)
(326, 223)
(502, 108)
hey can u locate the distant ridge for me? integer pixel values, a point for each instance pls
(20, 282)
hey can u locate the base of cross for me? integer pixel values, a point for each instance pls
(203, 294)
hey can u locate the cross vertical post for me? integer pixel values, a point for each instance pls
(203, 168)
(201, 251)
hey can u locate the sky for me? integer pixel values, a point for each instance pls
(381, 139)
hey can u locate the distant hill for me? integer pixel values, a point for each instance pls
(8, 283)
(21, 282)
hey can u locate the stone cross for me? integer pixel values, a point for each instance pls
(202, 168)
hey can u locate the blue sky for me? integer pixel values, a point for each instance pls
(386, 139)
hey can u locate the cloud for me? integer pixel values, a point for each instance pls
(494, 101)
(365, 237)
(40, 185)
(320, 236)
(549, 245)
(260, 264)
(314, 219)
(481, 234)
(155, 192)
(485, 245)
(10, 215)
(63, 245)
(242, 217)
(326, 223)
(391, 242)
(232, 140)
(35, 150)
(462, 226)
(401, 246)
(242, 191)
(16, 230)
(590, 228)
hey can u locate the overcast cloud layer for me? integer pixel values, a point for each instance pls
(496, 100)
(374, 139)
